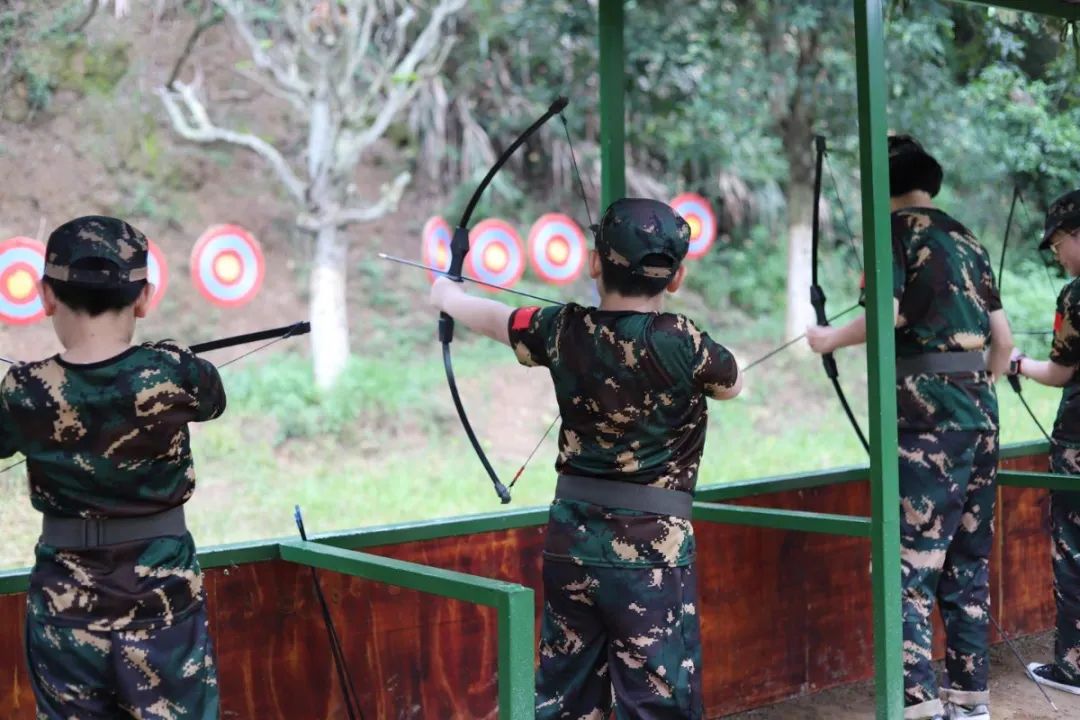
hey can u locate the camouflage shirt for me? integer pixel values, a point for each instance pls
(110, 440)
(944, 281)
(631, 389)
(1066, 351)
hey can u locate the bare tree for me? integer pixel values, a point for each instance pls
(346, 68)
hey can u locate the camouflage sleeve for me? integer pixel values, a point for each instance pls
(1065, 349)
(715, 369)
(201, 380)
(900, 231)
(532, 332)
(8, 436)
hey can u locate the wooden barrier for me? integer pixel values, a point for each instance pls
(782, 613)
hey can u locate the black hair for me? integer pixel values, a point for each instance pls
(914, 171)
(94, 300)
(619, 279)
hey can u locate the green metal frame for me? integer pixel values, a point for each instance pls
(513, 603)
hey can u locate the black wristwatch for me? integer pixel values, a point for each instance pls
(1014, 365)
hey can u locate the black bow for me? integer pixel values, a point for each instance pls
(817, 294)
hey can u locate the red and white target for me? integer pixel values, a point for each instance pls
(698, 214)
(227, 265)
(22, 263)
(435, 248)
(495, 253)
(557, 248)
(157, 272)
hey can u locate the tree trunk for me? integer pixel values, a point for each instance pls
(800, 202)
(329, 319)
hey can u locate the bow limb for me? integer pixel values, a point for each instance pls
(459, 248)
(1014, 380)
(817, 293)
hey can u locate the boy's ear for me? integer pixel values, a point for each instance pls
(594, 264)
(142, 303)
(677, 280)
(48, 298)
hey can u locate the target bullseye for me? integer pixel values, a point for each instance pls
(22, 262)
(699, 215)
(435, 245)
(557, 248)
(227, 265)
(495, 254)
(20, 283)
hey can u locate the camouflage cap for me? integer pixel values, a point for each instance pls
(95, 237)
(634, 228)
(1064, 213)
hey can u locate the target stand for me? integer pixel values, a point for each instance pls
(22, 264)
(227, 265)
(557, 248)
(495, 255)
(435, 245)
(699, 215)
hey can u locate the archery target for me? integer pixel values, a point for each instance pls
(495, 253)
(698, 213)
(435, 247)
(557, 248)
(157, 272)
(22, 263)
(227, 265)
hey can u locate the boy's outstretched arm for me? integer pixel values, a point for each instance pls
(1001, 344)
(487, 317)
(829, 338)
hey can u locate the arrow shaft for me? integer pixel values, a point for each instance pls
(437, 271)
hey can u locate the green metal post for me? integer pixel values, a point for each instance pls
(517, 691)
(881, 360)
(612, 103)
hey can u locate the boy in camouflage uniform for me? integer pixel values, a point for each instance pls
(620, 609)
(116, 622)
(1062, 235)
(948, 313)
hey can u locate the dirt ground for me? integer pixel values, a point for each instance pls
(1013, 695)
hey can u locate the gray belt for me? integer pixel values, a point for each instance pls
(84, 533)
(625, 495)
(941, 363)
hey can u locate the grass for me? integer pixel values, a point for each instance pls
(387, 447)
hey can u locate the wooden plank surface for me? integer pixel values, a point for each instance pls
(783, 613)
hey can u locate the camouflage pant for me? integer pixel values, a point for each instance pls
(628, 630)
(164, 674)
(1065, 554)
(947, 497)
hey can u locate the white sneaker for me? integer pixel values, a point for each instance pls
(967, 712)
(1049, 676)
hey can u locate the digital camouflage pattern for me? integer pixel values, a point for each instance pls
(634, 228)
(944, 281)
(100, 238)
(110, 440)
(947, 496)
(1065, 350)
(634, 630)
(632, 391)
(1065, 555)
(160, 674)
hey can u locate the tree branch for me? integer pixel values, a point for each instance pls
(193, 123)
(390, 196)
(426, 42)
(288, 78)
(207, 20)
